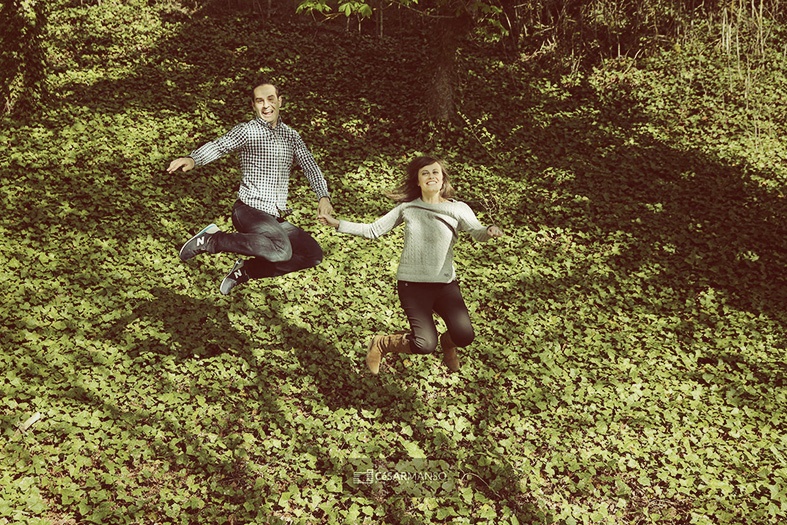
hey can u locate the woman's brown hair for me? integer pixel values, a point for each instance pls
(409, 190)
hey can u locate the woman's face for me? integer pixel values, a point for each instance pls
(430, 179)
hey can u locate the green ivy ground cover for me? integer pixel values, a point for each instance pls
(629, 364)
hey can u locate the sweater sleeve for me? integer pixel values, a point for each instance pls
(378, 228)
(469, 222)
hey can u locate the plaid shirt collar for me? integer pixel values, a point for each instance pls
(269, 125)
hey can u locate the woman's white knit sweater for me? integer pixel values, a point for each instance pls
(430, 231)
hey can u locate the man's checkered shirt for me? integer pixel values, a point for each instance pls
(266, 157)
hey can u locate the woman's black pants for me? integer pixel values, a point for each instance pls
(421, 300)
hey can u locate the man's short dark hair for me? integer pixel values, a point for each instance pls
(264, 83)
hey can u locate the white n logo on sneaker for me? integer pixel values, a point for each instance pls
(200, 241)
(238, 273)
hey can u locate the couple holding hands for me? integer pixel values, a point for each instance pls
(432, 219)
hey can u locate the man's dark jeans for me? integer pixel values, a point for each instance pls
(277, 247)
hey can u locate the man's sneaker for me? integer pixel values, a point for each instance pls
(238, 275)
(199, 243)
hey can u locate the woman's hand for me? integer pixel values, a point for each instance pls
(494, 231)
(328, 220)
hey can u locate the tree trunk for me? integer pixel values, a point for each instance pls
(512, 23)
(449, 35)
(22, 68)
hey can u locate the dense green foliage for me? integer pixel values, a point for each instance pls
(629, 364)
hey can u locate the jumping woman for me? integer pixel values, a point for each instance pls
(426, 275)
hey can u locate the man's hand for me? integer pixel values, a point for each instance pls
(186, 163)
(324, 207)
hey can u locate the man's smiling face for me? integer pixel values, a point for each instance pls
(266, 103)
